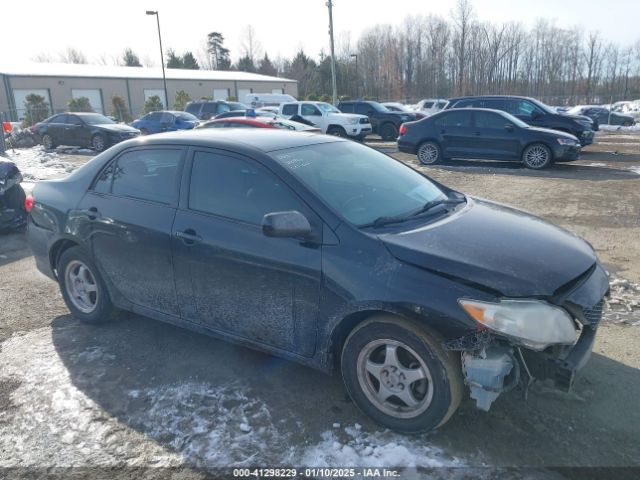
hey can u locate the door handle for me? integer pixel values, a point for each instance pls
(92, 213)
(189, 236)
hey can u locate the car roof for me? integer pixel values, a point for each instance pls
(247, 139)
(243, 119)
(489, 96)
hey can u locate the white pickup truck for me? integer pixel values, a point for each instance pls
(329, 119)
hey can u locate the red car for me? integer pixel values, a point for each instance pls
(259, 122)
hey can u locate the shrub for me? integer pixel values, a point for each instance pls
(181, 99)
(80, 104)
(36, 109)
(119, 109)
(153, 104)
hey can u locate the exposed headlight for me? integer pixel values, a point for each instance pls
(532, 323)
(566, 141)
(353, 121)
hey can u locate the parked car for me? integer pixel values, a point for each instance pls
(78, 129)
(429, 106)
(165, 121)
(402, 108)
(273, 110)
(533, 112)
(328, 119)
(384, 122)
(329, 253)
(258, 100)
(12, 198)
(602, 116)
(207, 109)
(242, 113)
(259, 122)
(483, 133)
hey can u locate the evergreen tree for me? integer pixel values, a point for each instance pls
(181, 99)
(266, 67)
(36, 109)
(220, 58)
(80, 104)
(119, 109)
(190, 62)
(245, 64)
(173, 60)
(153, 104)
(130, 59)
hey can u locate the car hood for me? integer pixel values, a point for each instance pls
(116, 127)
(345, 116)
(582, 118)
(554, 133)
(496, 247)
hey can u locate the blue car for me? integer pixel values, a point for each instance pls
(165, 121)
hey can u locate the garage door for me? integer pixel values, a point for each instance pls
(94, 96)
(220, 93)
(277, 90)
(20, 95)
(242, 94)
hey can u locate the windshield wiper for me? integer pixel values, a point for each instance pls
(381, 221)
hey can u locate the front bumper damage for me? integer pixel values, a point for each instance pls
(492, 365)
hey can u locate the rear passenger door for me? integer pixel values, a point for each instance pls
(456, 137)
(77, 132)
(56, 128)
(127, 216)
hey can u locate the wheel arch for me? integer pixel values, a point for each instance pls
(541, 142)
(57, 249)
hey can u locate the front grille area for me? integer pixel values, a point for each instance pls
(593, 315)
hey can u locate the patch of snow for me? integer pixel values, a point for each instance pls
(620, 128)
(623, 303)
(596, 164)
(635, 170)
(38, 164)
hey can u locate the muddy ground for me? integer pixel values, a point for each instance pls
(141, 393)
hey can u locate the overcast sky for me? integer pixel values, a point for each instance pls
(104, 29)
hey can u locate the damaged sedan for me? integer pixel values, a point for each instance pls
(328, 253)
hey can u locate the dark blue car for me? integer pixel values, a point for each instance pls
(165, 121)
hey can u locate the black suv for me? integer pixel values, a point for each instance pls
(207, 109)
(533, 112)
(383, 121)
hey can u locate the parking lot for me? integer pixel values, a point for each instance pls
(141, 393)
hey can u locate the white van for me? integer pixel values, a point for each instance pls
(258, 100)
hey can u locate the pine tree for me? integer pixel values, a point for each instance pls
(219, 54)
(181, 99)
(266, 67)
(190, 62)
(153, 104)
(130, 59)
(245, 64)
(36, 109)
(80, 104)
(173, 60)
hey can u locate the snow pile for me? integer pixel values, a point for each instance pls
(620, 128)
(38, 164)
(623, 306)
(377, 449)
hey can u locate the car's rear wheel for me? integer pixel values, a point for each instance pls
(398, 374)
(388, 132)
(82, 288)
(98, 142)
(337, 131)
(537, 156)
(429, 153)
(47, 142)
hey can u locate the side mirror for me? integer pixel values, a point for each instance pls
(508, 127)
(290, 224)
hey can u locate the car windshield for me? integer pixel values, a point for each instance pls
(237, 105)
(327, 107)
(186, 116)
(379, 107)
(543, 106)
(358, 182)
(288, 125)
(97, 119)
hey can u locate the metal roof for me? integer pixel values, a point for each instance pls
(34, 69)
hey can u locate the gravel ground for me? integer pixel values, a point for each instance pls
(139, 393)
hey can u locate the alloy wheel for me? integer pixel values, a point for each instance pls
(428, 153)
(81, 286)
(536, 156)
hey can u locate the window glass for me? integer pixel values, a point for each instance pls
(237, 189)
(103, 182)
(73, 120)
(495, 104)
(214, 125)
(223, 107)
(463, 104)
(193, 108)
(490, 120)
(364, 109)
(454, 119)
(233, 124)
(148, 174)
(59, 119)
(154, 117)
(209, 108)
(522, 108)
(346, 107)
(308, 109)
(166, 117)
(290, 109)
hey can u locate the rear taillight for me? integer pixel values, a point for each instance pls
(403, 129)
(29, 202)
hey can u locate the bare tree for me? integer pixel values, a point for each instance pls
(250, 46)
(72, 55)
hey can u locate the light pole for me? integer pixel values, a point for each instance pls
(164, 78)
(333, 55)
(356, 55)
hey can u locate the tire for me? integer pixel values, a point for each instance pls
(431, 399)
(537, 156)
(98, 142)
(88, 300)
(337, 131)
(47, 142)
(388, 132)
(429, 153)
(627, 124)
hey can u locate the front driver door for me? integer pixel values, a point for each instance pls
(229, 276)
(311, 113)
(495, 136)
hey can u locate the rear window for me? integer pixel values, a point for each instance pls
(210, 108)
(193, 108)
(454, 119)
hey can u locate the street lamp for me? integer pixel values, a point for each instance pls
(164, 78)
(356, 55)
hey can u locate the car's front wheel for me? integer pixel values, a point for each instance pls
(98, 142)
(47, 142)
(537, 156)
(429, 153)
(398, 374)
(82, 288)
(337, 131)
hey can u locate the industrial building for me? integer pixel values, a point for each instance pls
(59, 83)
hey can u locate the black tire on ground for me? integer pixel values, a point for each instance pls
(537, 156)
(337, 131)
(388, 132)
(429, 153)
(47, 142)
(98, 142)
(423, 373)
(71, 263)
